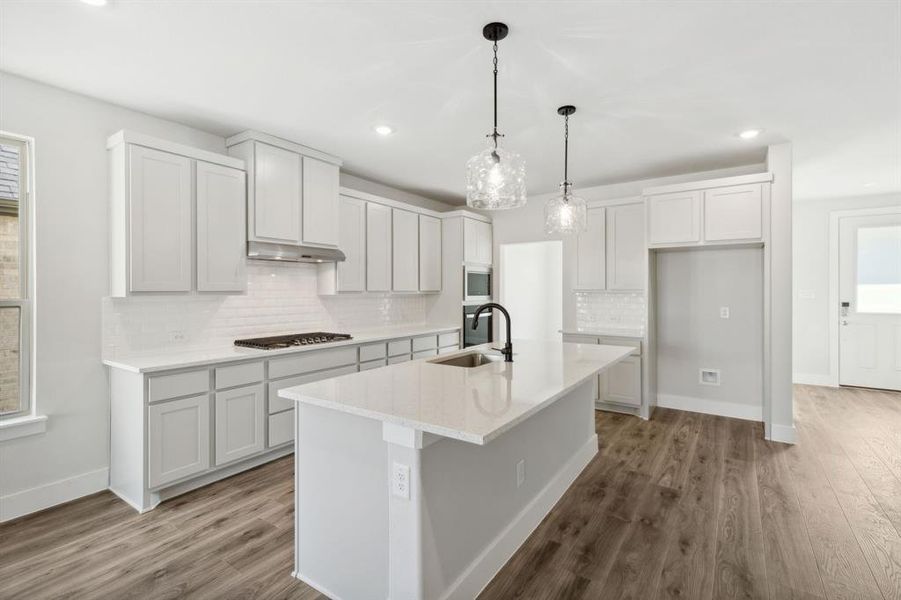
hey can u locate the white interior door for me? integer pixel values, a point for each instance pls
(870, 296)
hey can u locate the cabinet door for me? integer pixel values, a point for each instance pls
(352, 241)
(470, 241)
(160, 221)
(320, 202)
(429, 254)
(733, 213)
(178, 439)
(405, 238)
(590, 248)
(626, 254)
(277, 195)
(239, 423)
(485, 242)
(378, 248)
(621, 383)
(674, 218)
(221, 230)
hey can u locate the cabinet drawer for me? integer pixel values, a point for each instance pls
(239, 375)
(425, 342)
(372, 364)
(372, 351)
(618, 341)
(398, 359)
(449, 339)
(277, 404)
(181, 384)
(425, 353)
(398, 347)
(448, 349)
(281, 428)
(578, 338)
(312, 361)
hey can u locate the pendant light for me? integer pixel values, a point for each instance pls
(565, 214)
(495, 177)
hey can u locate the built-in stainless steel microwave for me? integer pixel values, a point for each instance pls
(476, 284)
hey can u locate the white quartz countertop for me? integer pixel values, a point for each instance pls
(609, 332)
(470, 404)
(195, 358)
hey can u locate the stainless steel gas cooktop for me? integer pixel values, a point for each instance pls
(295, 339)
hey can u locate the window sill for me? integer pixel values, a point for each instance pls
(17, 427)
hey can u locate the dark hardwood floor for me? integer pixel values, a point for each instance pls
(682, 506)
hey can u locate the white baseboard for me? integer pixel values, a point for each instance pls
(814, 379)
(711, 407)
(783, 433)
(486, 565)
(19, 504)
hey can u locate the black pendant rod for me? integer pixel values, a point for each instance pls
(495, 32)
(566, 111)
(494, 133)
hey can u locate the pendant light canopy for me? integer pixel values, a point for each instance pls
(495, 177)
(566, 213)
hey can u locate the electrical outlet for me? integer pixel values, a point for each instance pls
(400, 480)
(724, 312)
(709, 376)
(520, 472)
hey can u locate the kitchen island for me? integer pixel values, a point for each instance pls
(420, 480)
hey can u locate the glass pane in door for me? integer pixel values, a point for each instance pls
(879, 269)
(10, 352)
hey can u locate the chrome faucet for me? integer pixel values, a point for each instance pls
(507, 350)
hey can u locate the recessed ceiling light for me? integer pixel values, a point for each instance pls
(749, 134)
(383, 129)
(95, 2)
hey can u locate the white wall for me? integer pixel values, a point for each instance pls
(72, 277)
(532, 288)
(811, 354)
(692, 286)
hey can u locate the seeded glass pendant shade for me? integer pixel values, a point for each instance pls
(566, 213)
(496, 176)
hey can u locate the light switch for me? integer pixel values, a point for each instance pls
(724, 312)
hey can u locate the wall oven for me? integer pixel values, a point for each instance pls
(476, 284)
(483, 333)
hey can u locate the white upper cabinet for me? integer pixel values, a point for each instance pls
(221, 225)
(429, 254)
(590, 245)
(477, 242)
(405, 242)
(160, 225)
(626, 248)
(320, 202)
(156, 242)
(378, 248)
(352, 241)
(733, 213)
(674, 218)
(276, 195)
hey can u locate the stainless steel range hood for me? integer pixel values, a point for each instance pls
(289, 253)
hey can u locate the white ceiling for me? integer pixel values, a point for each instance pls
(661, 87)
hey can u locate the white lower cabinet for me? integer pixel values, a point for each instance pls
(239, 423)
(281, 428)
(178, 439)
(621, 383)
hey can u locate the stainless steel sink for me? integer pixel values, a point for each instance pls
(468, 360)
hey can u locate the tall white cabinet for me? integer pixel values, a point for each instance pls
(177, 218)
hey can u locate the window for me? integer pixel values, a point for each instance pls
(15, 302)
(879, 269)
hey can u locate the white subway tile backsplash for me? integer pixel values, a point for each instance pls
(611, 310)
(280, 298)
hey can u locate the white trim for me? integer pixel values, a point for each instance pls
(614, 202)
(824, 379)
(126, 136)
(316, 586)
(708, 184)
(486, 565)
(282, 143)
(783, 433)
(18, 427)
(366, 196)
(711, 407)
(462, 212)
(18, 504)
(833, 297)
